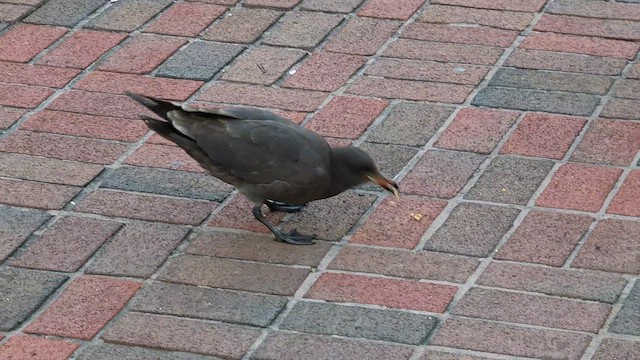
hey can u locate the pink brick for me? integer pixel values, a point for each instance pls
(262, 96)
(612, 246)
(237, 215)
(617, 29)
(399, 9)
(35, 74)
(628, 197)
(579, 187)
(399, 222)
(480, 35)
(477, 130)
(82, 48)
(362, 36)
(94, 103)
(410, 90)
(443, 52)
(36, 348)
(163, 156)
(278, 4)
(581, 44)
(514, 5)
(404, 294)
(325, 71)
(25, 41)
(543, 135)
(23, 95)
(172, 89)
(346, 117)
(36, 194)
(510, 20)
(84, 307)
(200, 15)
(10, 115)
(142, 54)
(609, 142)
(99, 127)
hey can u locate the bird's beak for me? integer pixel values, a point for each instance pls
(387, 184)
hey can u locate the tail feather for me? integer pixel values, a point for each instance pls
(161, 108)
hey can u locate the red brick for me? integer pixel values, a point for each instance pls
(36, 348)
(294, 346)
(346, 117)
(237, 215)
(146, 207)
(612, 246)
(616, 29)
(513, 340)
(36, 194)
(441, 173)
(443, 52)
(200, 16)
(23, 95)
(234, 274)
(532, 309)
(63, 147)
(616, 349)
(583, 284)
(609, 142)
(399, 10)
(635, 72)
(628, 89)
(100, 127)
(543, 135)
(344, 6)
(24, 41)
(255, 247)
(325, 71)
(410, 90)
(173, 89)
(454, 355)
(287, 99)
(404, 294)
(35, 74)
(455, 15)
(622, 109)
(460, 34)
(263, 65)
(428, 71)
(242, 25)
(477, 130)
(548, 60)
(514, 5)
(82, 48)
(278, 4)
(67, 244)
(10, 13)
(628, 197)
(581, 44)
(10, 115)
(362, 36)
(163, 156)
(84, 307)
(407, 264)
(142, 54)
(394, 222)
(227, 341)
(596, 9)
(94, 103)
(545, 238)
(579, 187)
(47, 170)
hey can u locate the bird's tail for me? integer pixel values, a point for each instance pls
(161, 108)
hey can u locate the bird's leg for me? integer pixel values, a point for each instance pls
(284, 207)
(293, 237)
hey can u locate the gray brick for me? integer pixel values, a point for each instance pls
(199, 60)
(571, 62)
(120, 352)
(410, 124)
(242, 25)
(389, 158)
(168, 182)
(510, 180)
(537, 100)
(628, 319)
(472, 229)
(22, 292)
(303, 29)
(15, 226)
(343, 6)
(128, 15)
(63, 12)
(552, 80)
(206, 303)
(354, 321)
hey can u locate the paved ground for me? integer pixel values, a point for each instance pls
(512, 127)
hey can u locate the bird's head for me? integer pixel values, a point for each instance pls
(359, 166)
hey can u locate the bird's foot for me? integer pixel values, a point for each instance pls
(284, 207)
(295, 238)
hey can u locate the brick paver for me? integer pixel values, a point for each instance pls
(511, 127)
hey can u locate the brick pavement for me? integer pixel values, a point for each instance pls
(512, 127)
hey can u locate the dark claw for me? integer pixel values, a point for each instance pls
(284, 207)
